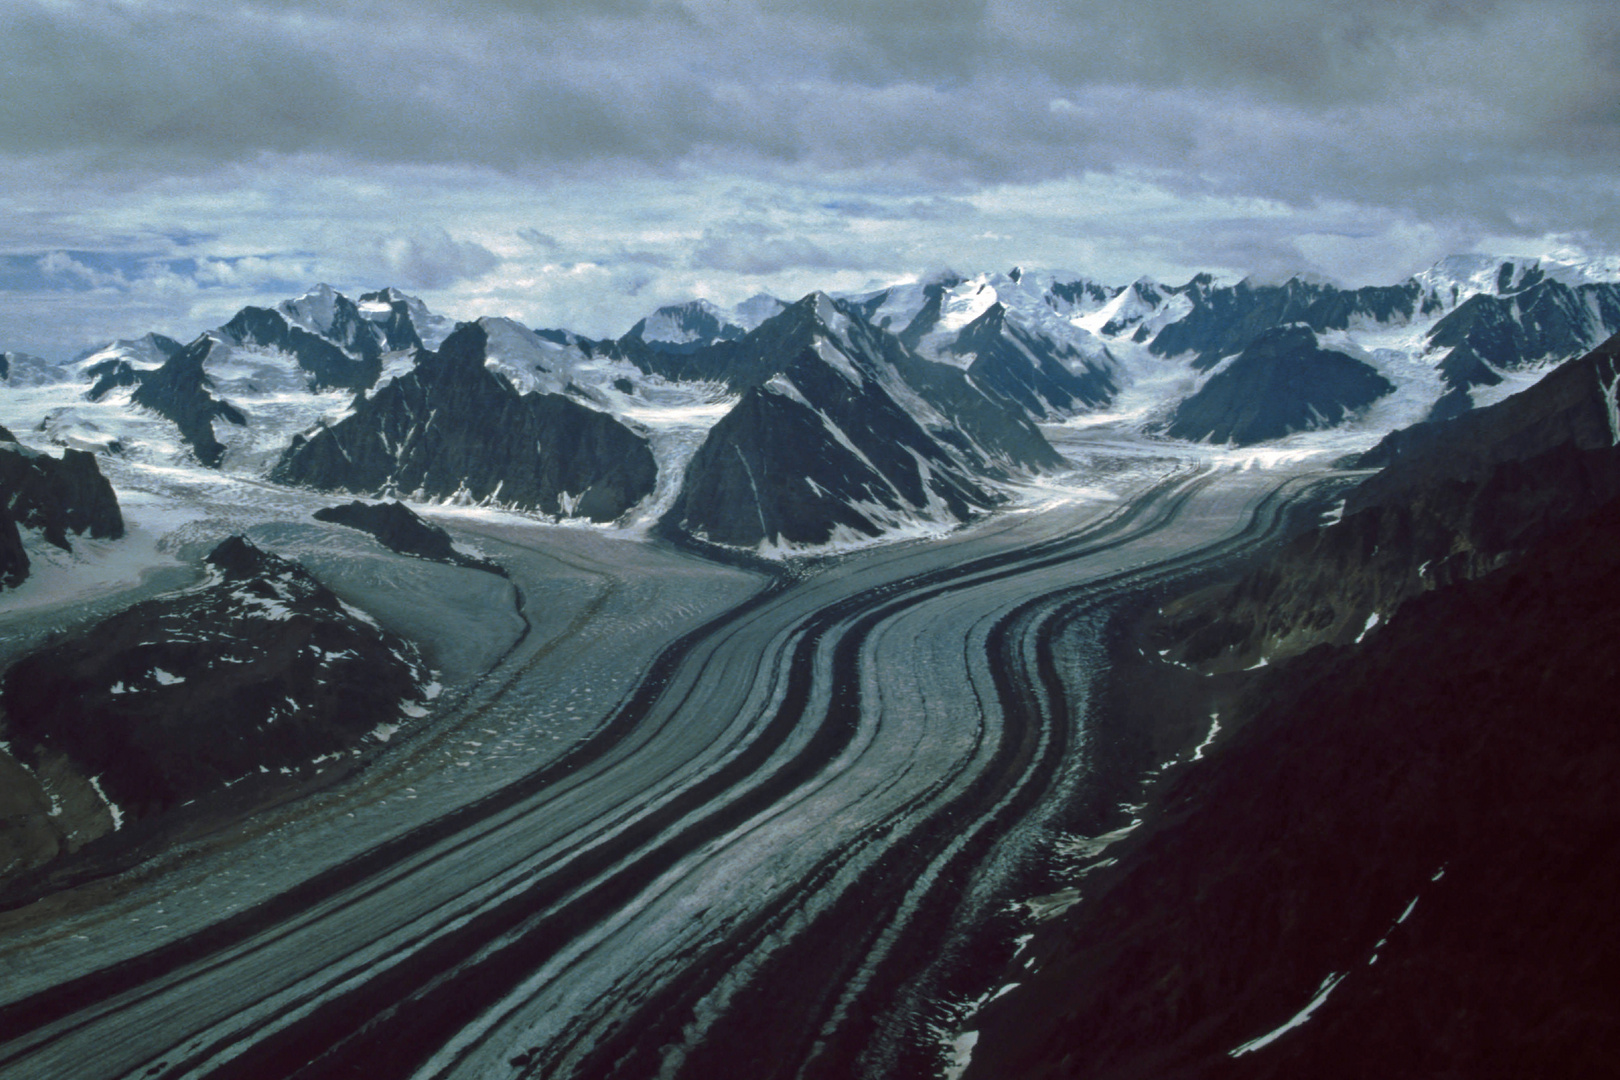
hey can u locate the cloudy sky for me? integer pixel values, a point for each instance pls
(578, 162)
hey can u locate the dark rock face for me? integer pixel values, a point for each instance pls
(1226, 320)
(772, 469)
(180, 392)
(451, 426)
(1325, 585)
(109, 375)
(398, 529)
(1029, 370)
(698, 322)
(1407, 846)
(263, 671)
(1281, 382)
(820, 439)
(1079, 292)
(112, 373)
(1574, 404)
(1455, 500)
(1540, 320)
(329, 366)
(55, 495)
(397, 329)
(13, 558)
(1422, 826)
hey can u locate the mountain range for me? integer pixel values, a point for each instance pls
(1411, 697)
(783, 426)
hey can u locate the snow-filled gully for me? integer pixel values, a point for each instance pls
(758, 862)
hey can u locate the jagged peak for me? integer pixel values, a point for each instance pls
(320, 290)
(388, 294)
(700, 303)
(1291, 280)
(1464, 275)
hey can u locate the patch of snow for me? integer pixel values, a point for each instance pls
(1214, 730)
(1297, 1020)
(112, 807)
(1372, 621)
(164, 678)
(837, 359)
(1077, 848)
(755, 310)
(525, 359)
(961, 1055)
(1611, 401)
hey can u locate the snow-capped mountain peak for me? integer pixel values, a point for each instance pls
(698, 323)
(315, 311)
(527, 360)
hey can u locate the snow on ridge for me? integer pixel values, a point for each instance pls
(315, 311)
(28, 370)
(755, 310)
(669, 325)
(1298, 1019)
(528, 361)
(1457, 277)
(965, 303)
(112, 808)
(140, 353)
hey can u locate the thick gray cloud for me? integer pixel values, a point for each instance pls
(433, 260)
(277, 129)
(962, 87)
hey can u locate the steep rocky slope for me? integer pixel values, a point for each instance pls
(451, 427)
(1226, 320)
(843, 433)
(181, 391)
(1456, 499)
(261, 676)
(1047, 379)
(57, 496)
(1393, 854)
(1401, 865)
(1281, 382)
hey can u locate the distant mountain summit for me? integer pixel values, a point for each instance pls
(1281, 382)
(842, 433)
(451, 428)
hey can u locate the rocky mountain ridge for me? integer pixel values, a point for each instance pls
(1455, 499)
(56, 496)
(260, 676)
(975, 361)
(1390, 853)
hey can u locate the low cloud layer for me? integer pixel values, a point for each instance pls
(741, 143)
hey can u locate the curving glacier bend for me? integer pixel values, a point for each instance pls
(694, 822)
